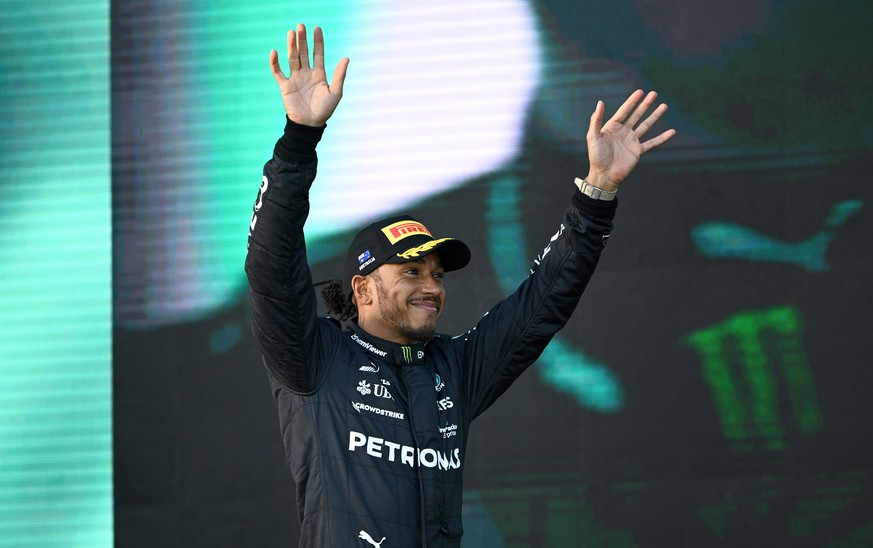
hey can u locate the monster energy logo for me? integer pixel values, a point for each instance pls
(407, 353)
(742, 360)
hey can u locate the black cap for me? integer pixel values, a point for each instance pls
(400, 239)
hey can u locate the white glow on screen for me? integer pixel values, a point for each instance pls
(436, 95)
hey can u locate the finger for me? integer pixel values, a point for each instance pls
(646, 124)
(339, 77)
(627, 107)
(293, 59)
(302, 46)
(641, 109)
(596, 123)
(318, 48)
(275, 68)
(658, 141)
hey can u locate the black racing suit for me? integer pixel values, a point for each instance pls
(375, 432)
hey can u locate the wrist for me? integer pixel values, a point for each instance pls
(298, 142)
(595, 192)
(600, 181)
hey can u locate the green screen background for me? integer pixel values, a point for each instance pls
(55, 267)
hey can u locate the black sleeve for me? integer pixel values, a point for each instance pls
(280, 284)
(513, 334)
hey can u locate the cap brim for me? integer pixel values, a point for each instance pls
(454, 254)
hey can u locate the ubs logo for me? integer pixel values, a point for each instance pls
(378, 390)
(381, 391)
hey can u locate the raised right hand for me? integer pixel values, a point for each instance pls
(615, 148)
(307, 98)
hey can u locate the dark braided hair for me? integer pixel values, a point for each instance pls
(338, 303)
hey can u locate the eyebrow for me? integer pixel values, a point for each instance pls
(420, 260)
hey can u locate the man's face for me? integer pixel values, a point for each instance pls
(410, 298)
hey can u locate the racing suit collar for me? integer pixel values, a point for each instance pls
(398, 354)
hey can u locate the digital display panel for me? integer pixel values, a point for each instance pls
(711, 389)
(55, 267)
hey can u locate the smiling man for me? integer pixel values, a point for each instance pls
(395, 271)
(375, 414)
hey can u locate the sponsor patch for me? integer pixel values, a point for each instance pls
(364, 388)
(381, 448)
(366, 536)
(367, 346)
(372, 368)
(449, 431)
(402, 229)
(358, 406)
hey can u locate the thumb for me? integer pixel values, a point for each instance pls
(275, 68)
(596, 123)
(339, 77)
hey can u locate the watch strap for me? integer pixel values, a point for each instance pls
(594, 192)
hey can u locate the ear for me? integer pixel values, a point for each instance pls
(362, 290)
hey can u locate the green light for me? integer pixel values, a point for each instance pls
(742, 360)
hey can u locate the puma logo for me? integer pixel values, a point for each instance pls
(363, 534)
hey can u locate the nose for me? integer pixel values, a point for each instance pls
(430, 287)
(431, 284)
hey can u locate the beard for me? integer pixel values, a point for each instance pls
(391, 313)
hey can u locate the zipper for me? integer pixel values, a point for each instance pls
(421, 500)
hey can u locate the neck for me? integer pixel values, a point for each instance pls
(381, 330)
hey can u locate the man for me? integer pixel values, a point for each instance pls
(375, 415)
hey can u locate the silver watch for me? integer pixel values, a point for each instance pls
(595, 192)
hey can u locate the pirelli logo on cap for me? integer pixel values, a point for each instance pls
(397, 231)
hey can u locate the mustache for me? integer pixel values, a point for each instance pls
(433, 300)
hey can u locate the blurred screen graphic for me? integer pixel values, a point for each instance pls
(711, 390)
(55, 264)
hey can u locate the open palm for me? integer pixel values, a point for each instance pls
(306, 95)
(614, 148)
